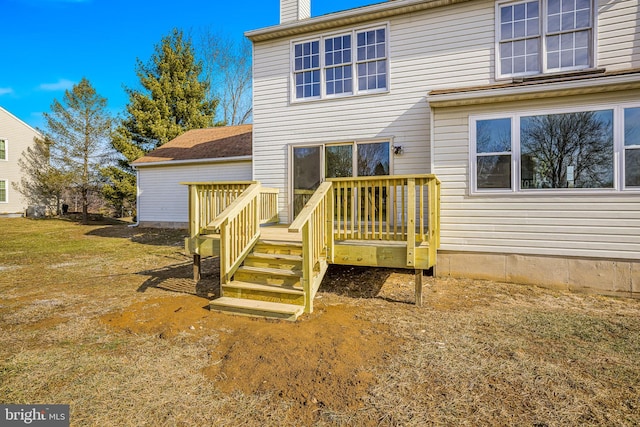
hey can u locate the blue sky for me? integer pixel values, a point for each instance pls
(48, 45)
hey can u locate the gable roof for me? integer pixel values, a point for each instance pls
(22, 122)
(197, 145)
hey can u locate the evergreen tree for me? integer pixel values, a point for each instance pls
(171, 101)
(79, 129)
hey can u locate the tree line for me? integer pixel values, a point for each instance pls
(85, 153)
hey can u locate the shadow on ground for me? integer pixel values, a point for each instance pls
(393, 285)
(145, 236)
(179, 278)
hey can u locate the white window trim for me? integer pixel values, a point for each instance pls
(618, 152)
(543, 45)
(354, 75)
(622, 149)
(6, 190)
(6, 150)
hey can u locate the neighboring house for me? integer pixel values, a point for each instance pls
(527, 111)
(214, 154)
(15, 137)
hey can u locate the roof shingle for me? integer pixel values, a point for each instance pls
(203, 144)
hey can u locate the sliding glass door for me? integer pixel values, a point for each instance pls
(313, 164)
(306, 175)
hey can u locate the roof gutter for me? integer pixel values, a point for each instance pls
(192, 162)
(490, 95)
(348, 17)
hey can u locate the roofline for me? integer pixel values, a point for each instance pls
(348, 17)
(192, 161)
(21, 121)
(490, 94)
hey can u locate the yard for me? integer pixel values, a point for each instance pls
(106, 318)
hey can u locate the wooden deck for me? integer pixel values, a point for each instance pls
(391, 221)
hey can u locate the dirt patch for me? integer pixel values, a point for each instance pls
(325, 360)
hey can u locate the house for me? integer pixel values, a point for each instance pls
(213, 154)
(15, 137)
(524, 115)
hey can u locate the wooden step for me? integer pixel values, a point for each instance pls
(278, 247)
(269, 276)
(255, 308)
(278, 261)
(263, 292)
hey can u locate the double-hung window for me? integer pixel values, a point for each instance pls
(338, 65)
(306, 69)
(3, 149)
(574, 150)
(3, 191)
(543, 36)
(344, 64)
(372, 59)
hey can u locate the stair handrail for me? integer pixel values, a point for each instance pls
(312, 223)
(239, 226)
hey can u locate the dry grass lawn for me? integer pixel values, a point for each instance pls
(106, 318)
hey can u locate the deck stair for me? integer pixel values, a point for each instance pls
(267, 284)
(274, 270)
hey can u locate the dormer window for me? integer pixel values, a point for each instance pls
(343, 64)
(543, 36)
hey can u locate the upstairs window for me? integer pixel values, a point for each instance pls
(338, 67)
(307, 69)
(345, 64)
(542, 36)
(372, 63)
(3, 149)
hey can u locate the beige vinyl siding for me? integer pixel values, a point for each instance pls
(446, 47)
(422, 58)
(19, 137)
(161, 197)
(618, 34)
(593, 224)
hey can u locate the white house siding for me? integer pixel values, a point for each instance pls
(424, 54)
(595, 225)
(589, 240)
(19, 137)
(618, 34)
(163, 202)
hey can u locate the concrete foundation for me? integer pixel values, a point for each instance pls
(163, 224)
(602, 276)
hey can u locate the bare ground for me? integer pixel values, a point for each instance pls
(106, 318)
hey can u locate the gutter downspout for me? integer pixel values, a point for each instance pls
(137, 223)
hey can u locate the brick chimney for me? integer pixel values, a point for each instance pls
(294, 10)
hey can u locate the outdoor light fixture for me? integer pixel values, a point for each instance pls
(397, 150)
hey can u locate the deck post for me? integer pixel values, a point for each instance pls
(328, 230)
(194, 211)
(196, 267)
(411, 222)
(418, 280)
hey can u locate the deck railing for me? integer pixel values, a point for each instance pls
(239, 226)
(268, 205)
(207, 200)
(392, 208)
(313, 222)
